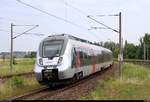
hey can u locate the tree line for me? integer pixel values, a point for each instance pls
(130, 50)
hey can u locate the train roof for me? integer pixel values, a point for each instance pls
(67, 36)
(71, 37)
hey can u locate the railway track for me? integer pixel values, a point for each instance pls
(30, 93)
(140, 62)
(145, 63)
(53, 93)
(20, 74)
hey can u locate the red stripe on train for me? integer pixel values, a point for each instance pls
(94, 68)
(78, 60)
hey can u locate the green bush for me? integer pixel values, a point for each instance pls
(17, 81)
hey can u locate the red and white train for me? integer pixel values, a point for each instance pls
(64, 57)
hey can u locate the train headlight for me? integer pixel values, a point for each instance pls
(60, 60)
(40, 61)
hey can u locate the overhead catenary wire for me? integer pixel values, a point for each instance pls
(77, 9)
(83, 13)
(37, 34)
(102, 24)
(66, 10)
(25, 31)
(105, 15)
(25, 25)
(105, 26)
(67, 4)
(97, 29)
(59, 18)
(86, 14)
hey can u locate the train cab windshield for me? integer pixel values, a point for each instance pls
(52, 48)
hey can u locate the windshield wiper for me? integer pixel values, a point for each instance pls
(51, 57)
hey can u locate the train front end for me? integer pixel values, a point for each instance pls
(51, 62)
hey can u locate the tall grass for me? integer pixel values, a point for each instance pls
(21, 66)
(132, 71)
(17, 86)
(134, 85)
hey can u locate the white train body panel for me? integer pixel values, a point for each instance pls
(74, 57)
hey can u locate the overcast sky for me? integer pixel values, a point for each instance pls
(135, 20)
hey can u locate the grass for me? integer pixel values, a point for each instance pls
(138, 72)
(134, 85)
(23, 65)
(17, 86)
(135, 82)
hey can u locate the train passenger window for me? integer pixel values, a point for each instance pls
(82, 57)
(100, 58)
(78, 60)
(85, 58)
(74, 54)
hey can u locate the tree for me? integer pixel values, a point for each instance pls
(30, 55)
(14, 61)
(3, 57)
(33, 55)
(113, 47)
(146, 40)
(141, 49)
(130, 51)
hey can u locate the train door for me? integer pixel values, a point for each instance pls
(75, 58)
(78, 61)
(93, 62)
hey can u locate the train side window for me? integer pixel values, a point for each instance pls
(74, 54)
(103, 56)
(92, 56)
(85, 58)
